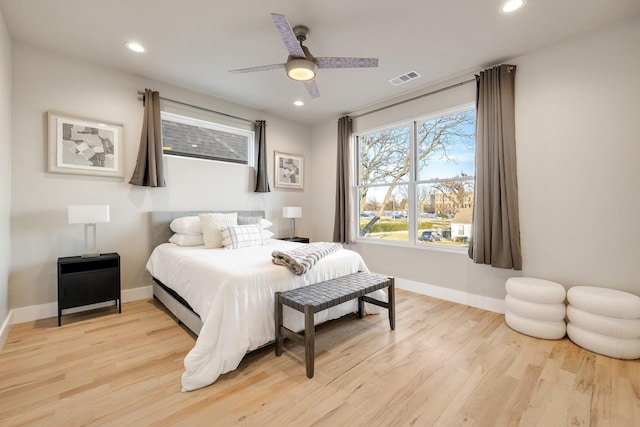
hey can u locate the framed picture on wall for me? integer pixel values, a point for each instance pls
(83, 146)
(289, 171)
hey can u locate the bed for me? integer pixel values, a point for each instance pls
(226, 296)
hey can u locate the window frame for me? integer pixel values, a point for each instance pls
(207, 124)
(412, 182)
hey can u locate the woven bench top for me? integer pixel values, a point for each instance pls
(332, 292)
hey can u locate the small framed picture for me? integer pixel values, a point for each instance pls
(83, 146)
(289, 171)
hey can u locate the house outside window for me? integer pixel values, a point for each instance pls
(191, 137)
(415, 181)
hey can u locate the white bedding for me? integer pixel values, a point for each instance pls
(233, 293)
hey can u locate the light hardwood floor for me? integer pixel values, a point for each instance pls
(444, 365)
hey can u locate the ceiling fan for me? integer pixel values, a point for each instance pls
(301, 65)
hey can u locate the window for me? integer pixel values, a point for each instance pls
(191, 137)
(415, 180)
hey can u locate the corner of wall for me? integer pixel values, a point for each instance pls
(6, 81)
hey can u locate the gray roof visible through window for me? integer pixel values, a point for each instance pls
(195, 141)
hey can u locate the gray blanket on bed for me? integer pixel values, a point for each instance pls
(302, 259)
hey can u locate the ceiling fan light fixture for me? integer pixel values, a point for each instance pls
(301, 70)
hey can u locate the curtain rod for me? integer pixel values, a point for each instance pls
(395, 104)
(202, 108)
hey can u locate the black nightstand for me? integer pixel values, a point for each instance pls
(295, 239)
(83, 281)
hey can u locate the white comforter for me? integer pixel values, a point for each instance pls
(233, 293)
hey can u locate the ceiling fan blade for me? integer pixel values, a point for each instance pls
(260, 68)
(339, 62)
(312, 88)
(289, 39)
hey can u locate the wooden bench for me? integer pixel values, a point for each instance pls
(320, 296)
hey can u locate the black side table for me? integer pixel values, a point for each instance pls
(84, 281)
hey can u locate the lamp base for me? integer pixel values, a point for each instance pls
(90, 249)
(293, 228)
(90, 255)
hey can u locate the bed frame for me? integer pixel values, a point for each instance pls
(159, 232)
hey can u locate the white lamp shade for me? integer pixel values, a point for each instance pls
(291, 212)
(88, 214)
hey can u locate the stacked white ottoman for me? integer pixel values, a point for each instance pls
(535, 307)
(605, 321)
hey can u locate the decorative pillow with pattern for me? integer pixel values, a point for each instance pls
(212, 226)
(242, 236)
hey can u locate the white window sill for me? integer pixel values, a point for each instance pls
(461, 250)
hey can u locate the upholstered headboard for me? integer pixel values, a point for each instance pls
(159, 231)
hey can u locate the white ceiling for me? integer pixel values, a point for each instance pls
(194, 43)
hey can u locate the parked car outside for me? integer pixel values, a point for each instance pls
(430, 236)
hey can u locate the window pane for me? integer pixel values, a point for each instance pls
(190, 137)
(446, 146)
(384, 156)
(428, 164)
(384, 212)
(445, 211)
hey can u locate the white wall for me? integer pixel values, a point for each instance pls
(5, 169)
(323, 179)
(48, 81)
(577, 132)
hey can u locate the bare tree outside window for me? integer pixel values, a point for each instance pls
(439, 178)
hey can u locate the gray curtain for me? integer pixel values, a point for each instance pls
(495, 236)
(262, 176)
(342, 228)
(149, 171)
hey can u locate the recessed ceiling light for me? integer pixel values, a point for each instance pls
(298, 103)
(136, 47)
(511, 5)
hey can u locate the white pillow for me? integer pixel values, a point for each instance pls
(186, 225)
(264, 223)
(242, 236)
(212, 225)
(182, 239)
(266, 234)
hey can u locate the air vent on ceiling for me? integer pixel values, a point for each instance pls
(404, 78)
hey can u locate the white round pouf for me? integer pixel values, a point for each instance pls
(535, 307)
(605, 302)
(548, 330)
(619, 348)
(603, 325)
(536, 290)
(535, 310)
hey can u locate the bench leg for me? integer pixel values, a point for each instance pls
(309, 339)
(360, 307)
(278, 319)
(392, 304)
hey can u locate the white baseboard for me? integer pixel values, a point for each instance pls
(473, 300)
(44, 311)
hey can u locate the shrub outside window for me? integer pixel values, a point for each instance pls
(415, 180)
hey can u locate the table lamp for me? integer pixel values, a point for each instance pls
(292, 212)
(89, 215)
